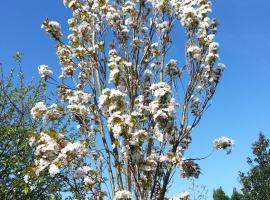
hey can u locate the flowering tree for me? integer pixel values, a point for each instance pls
(135, 106)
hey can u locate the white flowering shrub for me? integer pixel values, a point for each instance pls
(134, 104)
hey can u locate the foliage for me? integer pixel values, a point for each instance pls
(236, 195)
(256, 182)
(134, 105)
(16, 129)
(219, 194)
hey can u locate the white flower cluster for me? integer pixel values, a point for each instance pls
(123, 124)
(65, 58)
(129, 8)
(113, 102)
(53, 170)
(194, 51)
(85, 172)
(184, 196)
(116, 65)
(194, 16)
(181, 196)
(113, 16)
(160, 5)
(155, 49)
(38, 110)
(160, 89)
(172, 69)
(89, 180)
(78, 102)
(53, 28)
(174, 158)
(52, 112)
(164, 26)
(163, 108)
(44, 71)
(70, 3)
(55, 152)
(223, 143)
(47, 149)
(84, 29)
(81, 171)
(112, 97)
(212, 55)
(122, 195)
(191, 12)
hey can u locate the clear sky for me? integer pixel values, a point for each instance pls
(241, 107)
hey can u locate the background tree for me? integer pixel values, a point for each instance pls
(16, 128)
(256, 182)
(236, 195)
(219, 194)
(134, 105)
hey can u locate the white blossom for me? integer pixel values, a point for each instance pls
(53, 112)
(88, 180)
(184, 196)
(117, 130)
(81, 171)
(53, 28)
(38, 110)
(53, 170)
(122, 194)
(160, 89)
(74, 148)
(195, 51)
(223, 143)
(181, 196)
(44, 71)
(26, 178)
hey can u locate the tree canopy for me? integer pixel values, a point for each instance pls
(256, 182)
(219, 194)
(16, 129)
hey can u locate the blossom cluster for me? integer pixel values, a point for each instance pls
(117, 66)
(52, 112)
(65, 58)
(53, 28)
(113, 102)
(181, 196)
(162, 108)
(78, 102)
(38, 110)
(44, 71)
(86, 172)
(223, 143)
(122, 195)
(55, 152)
(204, 49)
(114, 65)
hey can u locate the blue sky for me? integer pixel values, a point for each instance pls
(241, 107)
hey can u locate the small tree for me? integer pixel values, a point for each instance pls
(236, 195)
(16, 128)
(219, 194)
(256, 182)
(135, 104)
